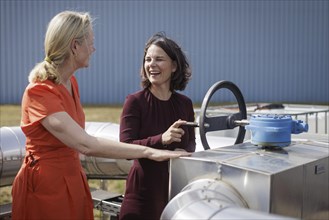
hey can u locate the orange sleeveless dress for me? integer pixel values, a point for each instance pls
(51, 183)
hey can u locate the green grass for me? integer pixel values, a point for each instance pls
(10, 116)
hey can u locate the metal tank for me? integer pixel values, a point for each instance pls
(290, 181)
(12, 152)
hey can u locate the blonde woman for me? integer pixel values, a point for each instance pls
(51, 183)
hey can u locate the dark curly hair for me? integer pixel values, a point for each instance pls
(183, 71)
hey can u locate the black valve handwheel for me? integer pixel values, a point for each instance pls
(217, 123)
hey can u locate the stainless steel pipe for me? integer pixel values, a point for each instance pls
(212, 199)
(12, 152)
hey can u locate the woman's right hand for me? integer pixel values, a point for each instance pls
(163, 155)
(174, 133)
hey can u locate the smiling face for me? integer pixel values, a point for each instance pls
(158, 66)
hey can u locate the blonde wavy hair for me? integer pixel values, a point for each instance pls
(62, 29)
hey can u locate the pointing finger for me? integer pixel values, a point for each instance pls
(178, 123)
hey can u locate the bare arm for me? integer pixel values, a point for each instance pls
(63, 127)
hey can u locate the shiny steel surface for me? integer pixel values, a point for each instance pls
(211, 199)
(12, 152)
(104, 168)
(201, 199)
(292, 181)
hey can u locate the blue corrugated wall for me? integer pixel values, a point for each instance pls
(275, 51)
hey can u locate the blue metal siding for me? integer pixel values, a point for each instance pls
(275, 51)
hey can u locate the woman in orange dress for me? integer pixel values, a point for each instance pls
(51, 183)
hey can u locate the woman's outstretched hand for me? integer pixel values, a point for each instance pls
(163, 155)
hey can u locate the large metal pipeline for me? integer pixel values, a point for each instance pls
(212, 199)
(12, 152)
